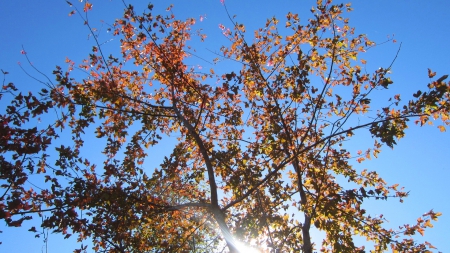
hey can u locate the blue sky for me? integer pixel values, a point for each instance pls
(419, 162)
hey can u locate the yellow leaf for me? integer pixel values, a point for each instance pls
(442, 128)
(211, 71)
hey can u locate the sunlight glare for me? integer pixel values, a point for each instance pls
(242, 248)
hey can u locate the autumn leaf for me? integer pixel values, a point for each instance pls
(442, 78)
(431, 74)
(87, 7)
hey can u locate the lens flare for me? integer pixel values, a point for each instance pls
(243, 248)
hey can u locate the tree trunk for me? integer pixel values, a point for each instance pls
(307, 247)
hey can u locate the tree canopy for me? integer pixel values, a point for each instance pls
(257, 153)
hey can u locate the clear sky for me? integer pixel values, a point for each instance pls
(420, 162)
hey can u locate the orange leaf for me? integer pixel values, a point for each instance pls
(421, 231)
(431, 74)
(87, 7)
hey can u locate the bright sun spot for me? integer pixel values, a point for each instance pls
(246, 249)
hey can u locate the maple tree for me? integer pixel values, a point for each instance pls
(258, 149)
